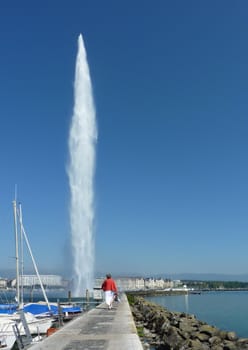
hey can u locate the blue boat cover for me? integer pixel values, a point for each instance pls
(37, 309)
(8, 308)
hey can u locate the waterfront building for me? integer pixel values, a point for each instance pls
(98, 282)
(32, 281)
(150, 283)
(140, 283)
(3, 283)
(124, 284)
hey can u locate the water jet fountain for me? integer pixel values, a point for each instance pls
(81, 167)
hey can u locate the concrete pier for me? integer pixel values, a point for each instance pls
(98, 328)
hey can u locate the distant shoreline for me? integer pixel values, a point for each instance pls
(182, 292)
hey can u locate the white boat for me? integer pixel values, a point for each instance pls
(12, 322)
(36, 325)
(7, 335)
(12, 326)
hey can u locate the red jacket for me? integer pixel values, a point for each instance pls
(109, 284)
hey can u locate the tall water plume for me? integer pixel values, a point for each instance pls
(81, 168)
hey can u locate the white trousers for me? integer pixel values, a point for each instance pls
(109, 297)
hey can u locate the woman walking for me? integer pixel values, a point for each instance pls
(110, 290)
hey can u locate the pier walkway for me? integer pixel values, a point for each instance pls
(97, 329)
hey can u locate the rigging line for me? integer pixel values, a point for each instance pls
(34, 263)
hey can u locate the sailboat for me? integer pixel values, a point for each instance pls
(44, 309)
(7, 334)
(15, 321)
(39, 316)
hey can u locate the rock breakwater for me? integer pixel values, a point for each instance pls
(162, 329)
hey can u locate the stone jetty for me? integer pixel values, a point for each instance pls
(99, 328)
(165, 330)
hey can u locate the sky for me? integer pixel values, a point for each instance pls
(170, 83)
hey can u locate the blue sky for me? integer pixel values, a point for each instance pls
(170, 83)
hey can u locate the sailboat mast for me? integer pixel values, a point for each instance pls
(33, 260)
(22, 257)
(16, 254)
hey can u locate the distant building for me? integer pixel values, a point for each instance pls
(98, 282)
(126, 284)
(3, 283)
(32, 281)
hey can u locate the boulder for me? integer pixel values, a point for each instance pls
(196, 345)
(215, 340)
(217, 347)
(203, 337)
(173, 339)
(186, 325)
(229, 345)
(231, 336)
(209, 330)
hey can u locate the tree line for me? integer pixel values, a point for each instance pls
(216, 284)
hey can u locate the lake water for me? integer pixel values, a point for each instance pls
(53, 295)
(224, 310)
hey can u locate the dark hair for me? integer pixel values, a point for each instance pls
(108, 275)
